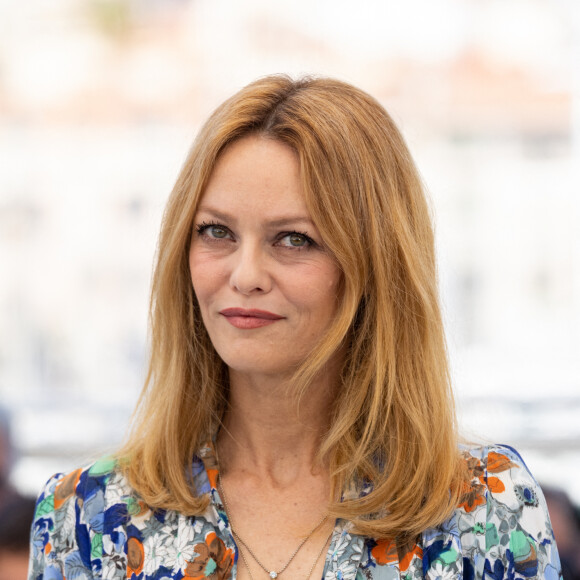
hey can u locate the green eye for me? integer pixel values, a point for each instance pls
(218, 232)
(296, 240)
(213, 231)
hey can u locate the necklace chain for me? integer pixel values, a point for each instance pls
(309, 571)
(272, 573)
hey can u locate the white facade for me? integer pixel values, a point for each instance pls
(99, 102)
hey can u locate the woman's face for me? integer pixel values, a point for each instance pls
(266, 285)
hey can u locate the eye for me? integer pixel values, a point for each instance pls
(213, 231)
(295, 240)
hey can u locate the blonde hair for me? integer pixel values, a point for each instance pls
(393, 420)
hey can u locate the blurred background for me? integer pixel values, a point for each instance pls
(99, 103)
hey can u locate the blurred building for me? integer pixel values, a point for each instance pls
(100, 100)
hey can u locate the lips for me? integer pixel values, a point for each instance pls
(249, 318)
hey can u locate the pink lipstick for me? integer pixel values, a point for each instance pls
(247, 319)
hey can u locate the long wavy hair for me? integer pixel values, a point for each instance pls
(393, 420)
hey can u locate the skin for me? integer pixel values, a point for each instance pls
(13, 565)
(256, 247)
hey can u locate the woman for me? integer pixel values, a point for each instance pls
(297, 420)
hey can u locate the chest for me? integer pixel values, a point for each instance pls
(198, 548)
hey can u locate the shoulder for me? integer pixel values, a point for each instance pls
(72, 512)
(498, 475)
(502, 520)
(62, 490)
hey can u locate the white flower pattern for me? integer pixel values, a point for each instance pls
(103, 531)
(159, 551)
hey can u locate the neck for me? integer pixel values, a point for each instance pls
(265, 431)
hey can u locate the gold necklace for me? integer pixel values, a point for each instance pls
(272, 573)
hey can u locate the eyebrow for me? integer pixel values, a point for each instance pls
(277, 222)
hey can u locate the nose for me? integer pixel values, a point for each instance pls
(250, 271)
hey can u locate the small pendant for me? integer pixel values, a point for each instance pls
(273, 574)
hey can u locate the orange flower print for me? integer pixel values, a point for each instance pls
(210, 464)
(494, 484)
(385, 552)
(66, 488)
(496, 462)
(473, 496)
(212, 475)
(389, 552)
(407, 553)
(213, 561)
(135, 557)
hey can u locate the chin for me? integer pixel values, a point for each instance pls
(265, 370)
(261, 365)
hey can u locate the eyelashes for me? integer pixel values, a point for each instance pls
(218, 228)
(215, 231)
(296, 240)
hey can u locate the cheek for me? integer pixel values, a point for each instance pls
(332, 276)
(205, 273)
(333, 289)
(319, 287)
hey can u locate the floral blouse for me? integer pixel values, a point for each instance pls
(89, 524)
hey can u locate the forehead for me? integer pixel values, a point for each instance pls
(258, 174)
